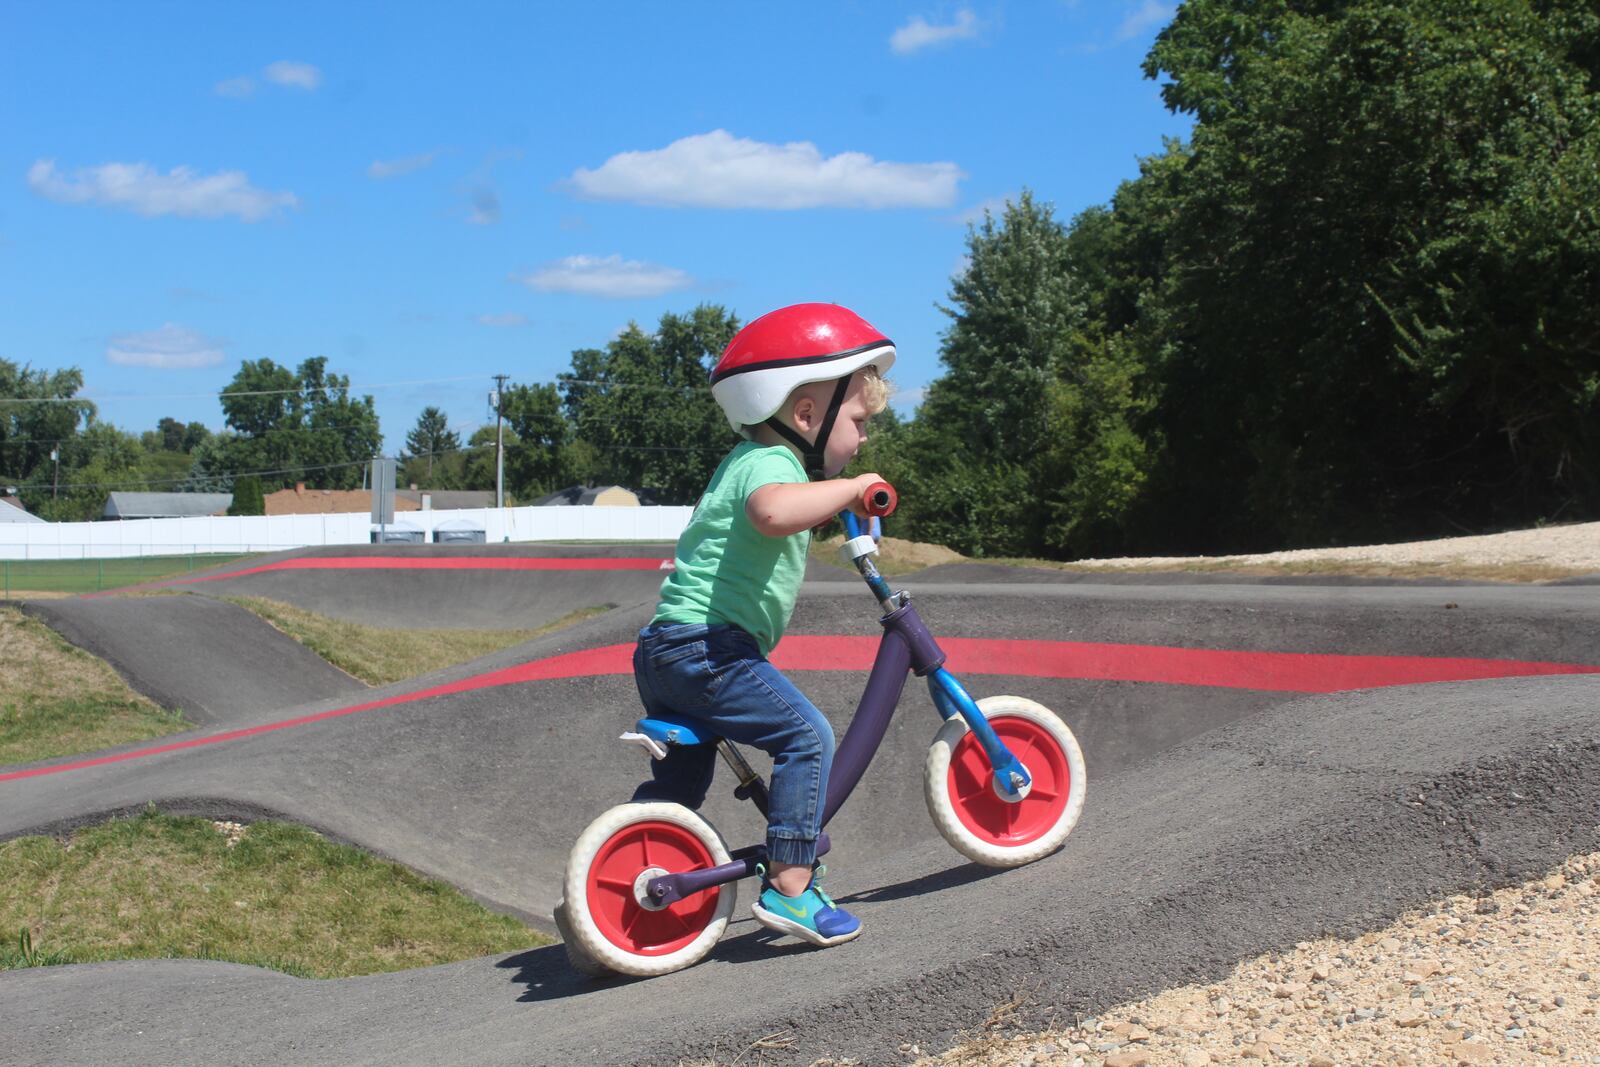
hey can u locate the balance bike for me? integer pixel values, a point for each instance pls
(649, 887)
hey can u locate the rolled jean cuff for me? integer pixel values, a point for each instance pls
(791, 850)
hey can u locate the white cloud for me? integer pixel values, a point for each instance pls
(973, 216)
(172, 347)
(608, 276)
(919, 33)
(509, 319)
(906, 401)
(139, 187)
(292, 74)
(238, 87)
(1147, 16)
(394, 168)
(720, 170)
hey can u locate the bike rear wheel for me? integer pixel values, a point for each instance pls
(612, 922)
(969, 810)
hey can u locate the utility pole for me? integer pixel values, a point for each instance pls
(499, 443)
(55, 481)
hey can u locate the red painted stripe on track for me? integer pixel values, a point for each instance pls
(1291, 672)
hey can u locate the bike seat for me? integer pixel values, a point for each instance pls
(659, 731)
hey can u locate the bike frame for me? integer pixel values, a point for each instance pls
(905, 647)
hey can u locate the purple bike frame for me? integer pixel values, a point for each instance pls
(906, 646)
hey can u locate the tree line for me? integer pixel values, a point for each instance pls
(1356, 304)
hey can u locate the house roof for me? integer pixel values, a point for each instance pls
(11, 510)
(580, 495)
(165, 505)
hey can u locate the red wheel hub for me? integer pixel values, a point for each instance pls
(616, 867)
(970, 784)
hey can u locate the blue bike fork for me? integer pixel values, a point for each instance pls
(952, 699)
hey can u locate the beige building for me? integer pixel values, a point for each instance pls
(303, 501)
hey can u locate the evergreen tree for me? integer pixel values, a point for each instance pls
(247, 497)
(430, 437)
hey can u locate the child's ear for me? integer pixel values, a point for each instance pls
(804, 413)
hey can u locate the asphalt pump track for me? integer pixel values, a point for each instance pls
(1267, 763)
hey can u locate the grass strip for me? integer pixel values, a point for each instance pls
(270, 894)
(379, 655)
(56, 699)
(21, 577)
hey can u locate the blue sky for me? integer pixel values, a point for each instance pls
(433, 194)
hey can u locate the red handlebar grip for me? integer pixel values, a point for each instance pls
(880, 499)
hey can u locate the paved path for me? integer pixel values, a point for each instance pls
(1221, 822)
(215, 662)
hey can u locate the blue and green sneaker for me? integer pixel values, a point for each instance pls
(812, 916)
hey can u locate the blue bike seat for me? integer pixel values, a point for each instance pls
(673, 730)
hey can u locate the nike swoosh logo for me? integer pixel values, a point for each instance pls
(798, 913)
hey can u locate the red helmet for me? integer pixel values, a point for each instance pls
(785, 349)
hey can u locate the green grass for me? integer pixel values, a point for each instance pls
(377, 655)
(93, 575)
(272, 895)
(56, 699)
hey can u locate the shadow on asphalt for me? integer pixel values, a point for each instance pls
(928, 883)
(546, 974)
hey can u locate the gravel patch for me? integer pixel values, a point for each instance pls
(1576, 546)
(1509, 978)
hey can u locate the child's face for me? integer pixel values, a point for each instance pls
(849, 429)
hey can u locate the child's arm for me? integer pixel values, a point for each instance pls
(783, 508)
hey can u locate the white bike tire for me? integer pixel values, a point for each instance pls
(587, 935)
(985, 849)
(578, 959)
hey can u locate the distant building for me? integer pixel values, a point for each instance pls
(11, 510)
(303, 501)
(449, 499)
(166, 505)
(606, 496)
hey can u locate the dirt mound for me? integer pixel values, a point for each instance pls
(895, 556)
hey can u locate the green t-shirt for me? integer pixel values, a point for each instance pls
(727, 570)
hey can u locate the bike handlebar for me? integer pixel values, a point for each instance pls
(880, 499)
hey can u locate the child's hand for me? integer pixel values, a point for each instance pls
(861, 483)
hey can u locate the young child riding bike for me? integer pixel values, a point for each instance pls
(799, 384)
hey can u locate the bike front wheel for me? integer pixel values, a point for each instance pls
(609, 917)
(970, 811)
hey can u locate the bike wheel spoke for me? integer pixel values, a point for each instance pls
(971, 770)
(966, 796)
(618, 885)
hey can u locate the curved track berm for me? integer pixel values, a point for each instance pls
(1222, 822)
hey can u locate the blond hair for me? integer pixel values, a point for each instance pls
(874, 389)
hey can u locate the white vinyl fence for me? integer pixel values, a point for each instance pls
(271, 533)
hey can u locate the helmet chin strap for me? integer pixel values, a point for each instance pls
(812, 452)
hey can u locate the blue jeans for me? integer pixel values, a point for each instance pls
(717, 675)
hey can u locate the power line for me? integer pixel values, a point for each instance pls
(136, 485)
(349, 389)
(302, 390)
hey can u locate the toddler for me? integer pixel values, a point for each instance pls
(798, 384)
